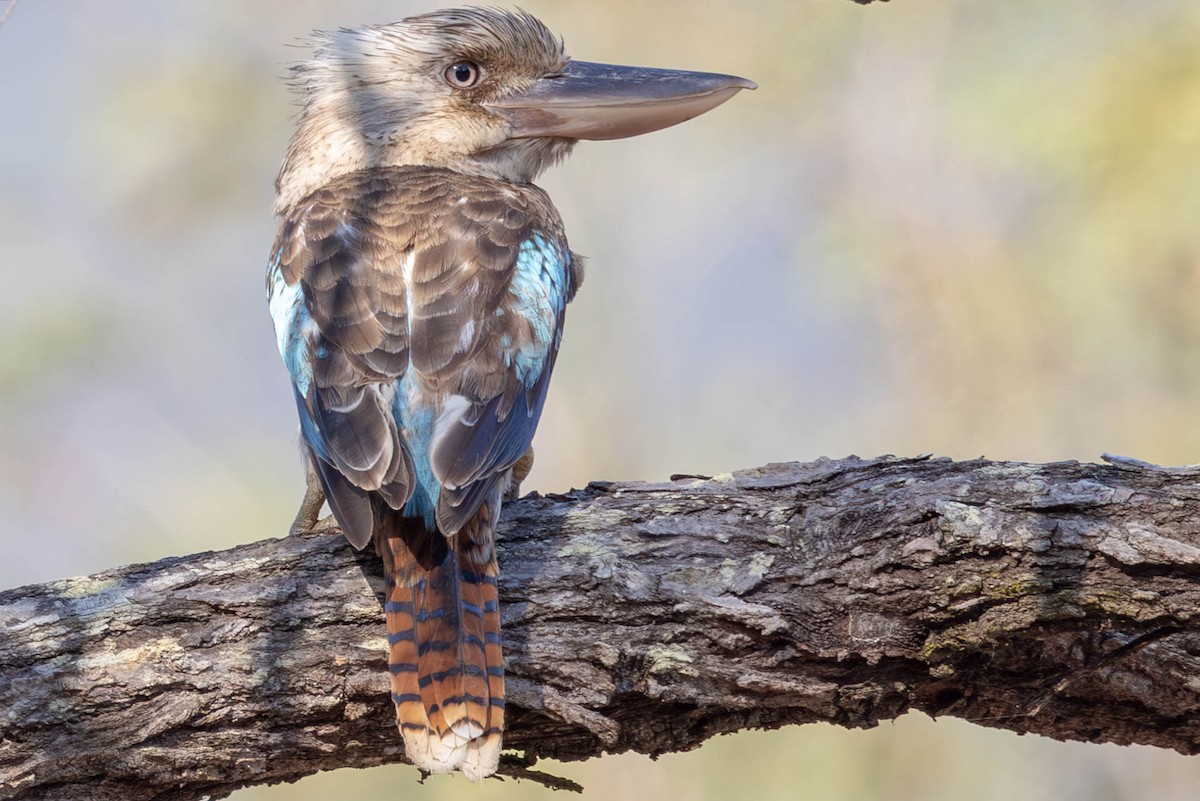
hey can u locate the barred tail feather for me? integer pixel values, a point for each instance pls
(445, 656)
(483, 751)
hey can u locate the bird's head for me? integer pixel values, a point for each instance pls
(475, 90)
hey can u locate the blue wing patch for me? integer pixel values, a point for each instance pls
(539, 291)
(293, 326)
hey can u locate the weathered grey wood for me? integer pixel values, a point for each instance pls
(1060, 599)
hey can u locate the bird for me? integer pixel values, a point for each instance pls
(417, 285)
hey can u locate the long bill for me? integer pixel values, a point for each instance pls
(605, 101)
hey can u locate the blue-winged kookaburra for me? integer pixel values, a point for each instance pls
(418, 284)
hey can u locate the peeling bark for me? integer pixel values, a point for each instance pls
(1060, 599)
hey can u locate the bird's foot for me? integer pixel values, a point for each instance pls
(323, 526)
(307, 517)
(520, 471)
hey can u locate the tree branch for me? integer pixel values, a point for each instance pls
(1060, 599)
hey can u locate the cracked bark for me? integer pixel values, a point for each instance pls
(1060, 599)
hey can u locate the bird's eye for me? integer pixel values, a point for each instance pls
(462, 75)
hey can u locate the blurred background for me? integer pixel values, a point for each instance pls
(970, 228)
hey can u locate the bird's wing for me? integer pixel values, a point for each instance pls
(337, 296)
(488, 296)
(490, 422)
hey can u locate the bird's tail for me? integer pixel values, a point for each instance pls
(443, 620)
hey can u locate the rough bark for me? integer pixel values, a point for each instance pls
(1060, 599)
